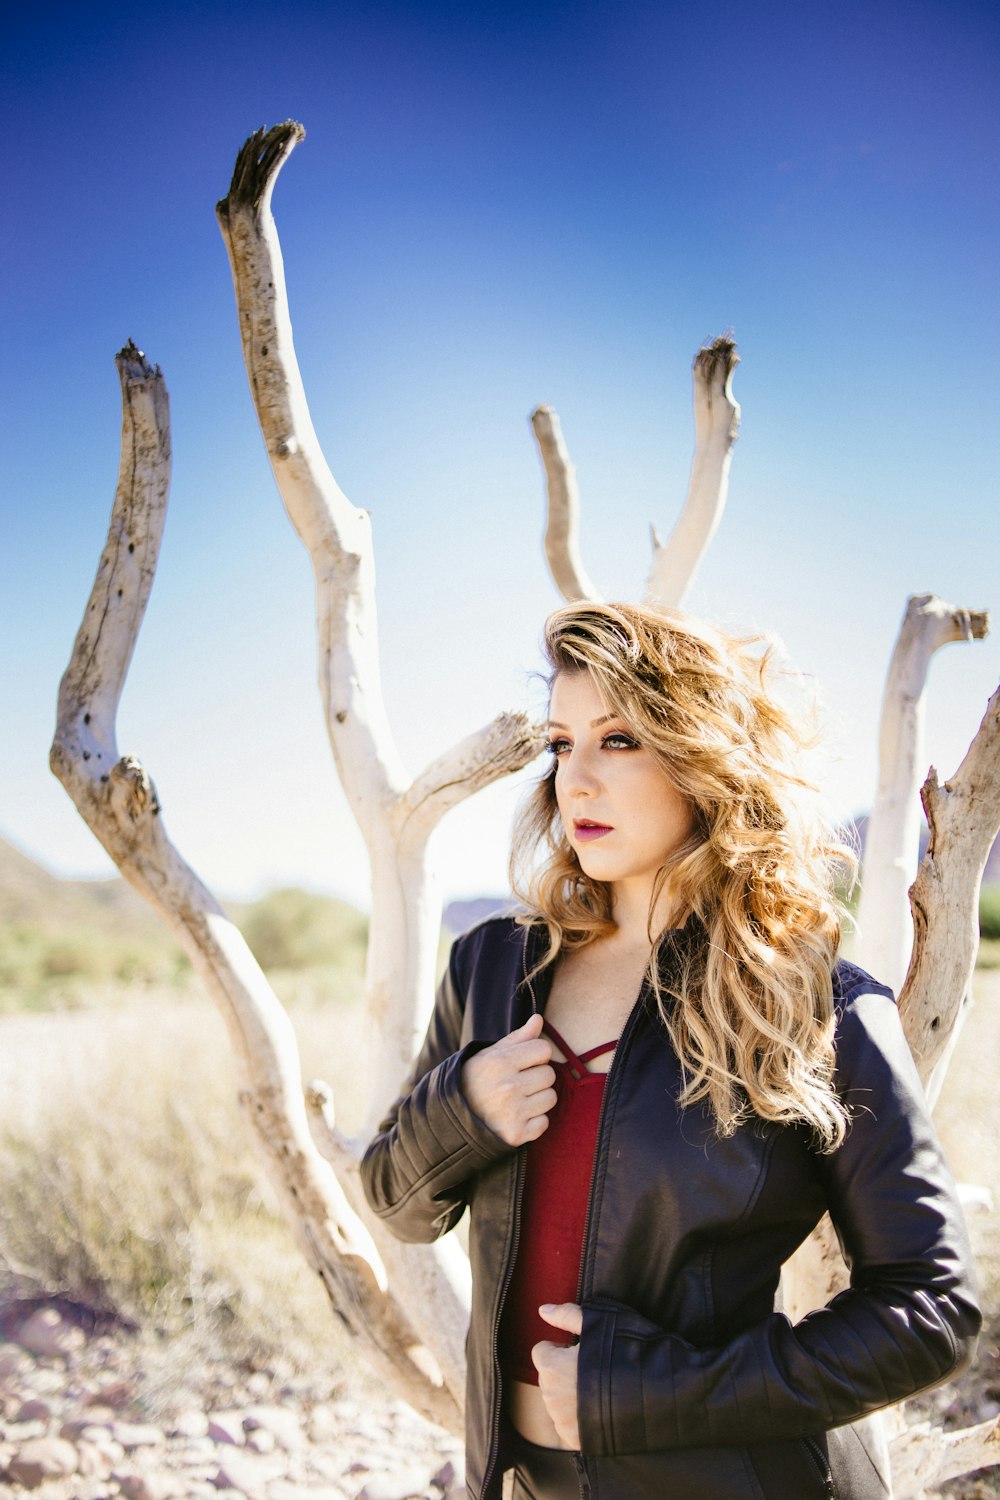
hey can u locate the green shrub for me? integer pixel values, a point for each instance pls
(296, 929)
(989, 911)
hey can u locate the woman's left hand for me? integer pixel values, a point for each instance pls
(556, 1366)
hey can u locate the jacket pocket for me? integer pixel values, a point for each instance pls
(799, 1467)
(679, 1474)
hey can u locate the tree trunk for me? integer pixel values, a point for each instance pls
(893, 837)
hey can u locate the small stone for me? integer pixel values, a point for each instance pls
(41, 1459)
(13, 1361)
(238, 1471)
(278, 1420)
(153, 1485)
(258, 1384)
(98, 1415)
(24, 1432)
(46, 1333)
(260, 1440)
(34, 1410)
(445, 1476)
(286, 1489)
(73, 1428)
(325, 1425)
(189, 1424)
(195, 1451)
(134, 1435)
(92, 1462)
(100, 1434)
(117, 1395)
(227, 1427)
(400, 1484)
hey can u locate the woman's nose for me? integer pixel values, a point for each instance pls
(578, 774)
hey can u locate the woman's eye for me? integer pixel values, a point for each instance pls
(557, 747)
(620, 741)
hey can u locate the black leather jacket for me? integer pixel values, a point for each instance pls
(689, 1383)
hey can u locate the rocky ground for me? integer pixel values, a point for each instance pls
(87, 1414)
(90, 1415)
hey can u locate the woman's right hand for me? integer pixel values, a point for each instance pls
(510, 1084)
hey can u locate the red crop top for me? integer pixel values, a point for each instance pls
(558, 1169)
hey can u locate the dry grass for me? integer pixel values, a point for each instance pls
(130, 1183)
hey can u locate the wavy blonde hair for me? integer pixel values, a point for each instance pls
(750, 1012)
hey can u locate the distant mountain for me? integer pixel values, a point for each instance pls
(459, 916)
(30, 894)
(65, 933)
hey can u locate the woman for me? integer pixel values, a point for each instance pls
(650, 1086)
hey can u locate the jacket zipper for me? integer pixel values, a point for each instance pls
(583, 1473)
(629, 1026)
(494, 1448)
(819, 1459)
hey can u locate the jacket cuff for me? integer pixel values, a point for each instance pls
(469, 1127)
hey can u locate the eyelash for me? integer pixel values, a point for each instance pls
(558, 747)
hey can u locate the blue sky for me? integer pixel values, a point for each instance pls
(494, 206)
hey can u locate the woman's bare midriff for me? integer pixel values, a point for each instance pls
(528, 1414)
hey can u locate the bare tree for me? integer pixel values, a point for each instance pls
(407, 1305)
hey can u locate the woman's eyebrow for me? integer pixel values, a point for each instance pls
(594, 723)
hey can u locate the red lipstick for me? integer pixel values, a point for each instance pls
(585, 830)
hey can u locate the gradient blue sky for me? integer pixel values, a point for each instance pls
(495, 206)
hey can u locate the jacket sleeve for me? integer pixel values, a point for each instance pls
(416, 1170)
(908, 1320)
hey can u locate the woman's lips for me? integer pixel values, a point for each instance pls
(585, 831)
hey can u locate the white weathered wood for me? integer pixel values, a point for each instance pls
(716, 426)
(963, 814)
(562, 518)
(925, 1456)
(395, 819)
(118, 800)
(892, 842)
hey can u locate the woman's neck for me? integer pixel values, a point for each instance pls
(630, 903)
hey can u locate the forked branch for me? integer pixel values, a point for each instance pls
(717, 422)
(118, 800)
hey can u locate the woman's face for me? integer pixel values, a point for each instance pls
(622, 814)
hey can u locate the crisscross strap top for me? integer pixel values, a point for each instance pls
(558, 1169)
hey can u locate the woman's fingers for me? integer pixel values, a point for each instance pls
(565, 1315)
(509, 1084)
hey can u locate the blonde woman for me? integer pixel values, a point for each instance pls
(649, 1086)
